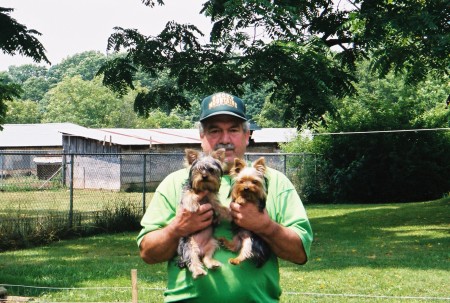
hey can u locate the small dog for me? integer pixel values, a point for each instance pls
(204, 175)
(249, 187)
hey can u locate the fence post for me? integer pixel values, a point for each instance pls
(71, 191)
(144, 182)
(63, 171)
(134, 286)
(1, 170)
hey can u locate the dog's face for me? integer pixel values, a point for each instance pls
(249, 180)
(205, 170)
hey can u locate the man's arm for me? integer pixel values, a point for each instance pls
(284, 242)
(161, 245)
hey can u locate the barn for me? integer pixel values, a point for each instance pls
(110, 158)
(32, 148)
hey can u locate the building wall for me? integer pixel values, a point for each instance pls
(126, 171)
(20, 161)
(80, 145)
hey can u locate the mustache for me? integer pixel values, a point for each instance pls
(226, 146)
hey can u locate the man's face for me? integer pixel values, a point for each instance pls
(224, 131)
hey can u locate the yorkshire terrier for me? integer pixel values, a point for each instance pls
(205, 173)
(249, 187)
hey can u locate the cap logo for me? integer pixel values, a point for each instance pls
(222, 99)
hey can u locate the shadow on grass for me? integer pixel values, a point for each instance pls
(412, 235)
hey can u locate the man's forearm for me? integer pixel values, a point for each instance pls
(159, 245)
(284, 242)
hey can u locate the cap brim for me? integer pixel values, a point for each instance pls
(228, 113)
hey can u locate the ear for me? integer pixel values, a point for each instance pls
(191, 155)
(239, 164)
(260, 165)
(219, 154)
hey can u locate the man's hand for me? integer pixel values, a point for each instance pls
(186, 222)
(248, 216)
(284, 242)
(161, 244)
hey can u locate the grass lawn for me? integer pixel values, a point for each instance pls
(30, 203)
(361, 253)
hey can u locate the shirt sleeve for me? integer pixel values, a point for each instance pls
(286, 208)
(163, 205)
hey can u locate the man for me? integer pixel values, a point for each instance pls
(283, 224)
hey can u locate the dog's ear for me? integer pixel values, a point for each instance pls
(191, 155)
(239, 164)
(219, 154)
(260, 165)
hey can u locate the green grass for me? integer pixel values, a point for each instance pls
(40, 217)
(384, 252)
(35, 202)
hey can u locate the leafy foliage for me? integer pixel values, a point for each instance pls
(384, 167)
(411, 36)
(288, 45)
(8, 91)
(22, 111)
(85, 64)
(86, 103)
(41, 97)
(15, 37)
(22, 73)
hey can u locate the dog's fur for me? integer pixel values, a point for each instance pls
(205, 173)
(249, 187)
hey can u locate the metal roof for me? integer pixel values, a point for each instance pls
(50, 134)
(274, 135)
(153, 136)
(34, 135)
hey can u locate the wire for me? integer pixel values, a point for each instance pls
(367, 296)
(285, 292)
(382, 131)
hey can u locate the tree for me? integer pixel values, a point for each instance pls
(22, 111)
(287, 44)
(85, 64)
(16, 38)
(87, 103)
(22, 73)
(35, 88)
(411, 37)
(158, 119)
(395, 166)
(8, 91)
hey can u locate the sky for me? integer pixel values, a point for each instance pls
(75, 26)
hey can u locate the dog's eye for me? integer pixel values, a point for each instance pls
(211, 170)
(254, 181)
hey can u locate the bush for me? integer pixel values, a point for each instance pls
(366, 166)
(23, 232)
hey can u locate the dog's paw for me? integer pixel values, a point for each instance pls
(230, 245)
(234, 261)
(211, 263)
(197, 272)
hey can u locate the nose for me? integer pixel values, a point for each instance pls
(225, 139)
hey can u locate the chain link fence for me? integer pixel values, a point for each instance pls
(55, 193)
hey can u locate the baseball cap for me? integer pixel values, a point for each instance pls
(222, 104)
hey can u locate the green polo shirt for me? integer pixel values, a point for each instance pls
(229, 283)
